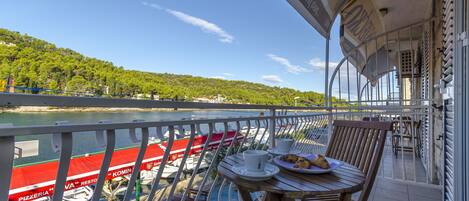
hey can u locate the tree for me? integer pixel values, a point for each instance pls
(37, 63)
(77, 85)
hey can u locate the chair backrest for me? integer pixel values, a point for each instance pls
(360, 143)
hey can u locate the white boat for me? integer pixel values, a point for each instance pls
(43, 199)
(78, 194)
(170, 170)
(191, 163)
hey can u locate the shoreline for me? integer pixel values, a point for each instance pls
(40, 109)
(35, 109)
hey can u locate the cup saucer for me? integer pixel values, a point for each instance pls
(276, 152)
(269, 171)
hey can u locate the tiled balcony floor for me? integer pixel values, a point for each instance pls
(402, 165)
(391, 190)
(402, 177)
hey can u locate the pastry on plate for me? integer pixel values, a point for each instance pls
(302, 163)
(321, 162)
(291, 158)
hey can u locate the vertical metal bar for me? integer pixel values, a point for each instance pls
(309, 124)
(413, 102)
(230, 189)
(233, 143)
(228, 152)
(64, 163)
(225, 133)
(138, 163)
(183, 161)
(266, 124)
(358, 86)
(258, 125)
(326, 74)
(199, 162)
(430, 108)
(299, 144)
(167, 152)
(298, 131)
(221, 189)
(110, 144)
(7, 153)
(245, 138)
(281, 129)
(401, 88)
(314, 130)
(348, 89)
(340, 91)
(389, 96)
(212, 187)
(393, 89)
(272, 128)
(381, 91)
(376, 63)
(287, 127)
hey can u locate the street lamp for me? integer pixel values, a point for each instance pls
(296, 98)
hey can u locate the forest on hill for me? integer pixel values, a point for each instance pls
(36, 64)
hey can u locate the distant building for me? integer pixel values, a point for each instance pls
(218, 99)
(146, 97)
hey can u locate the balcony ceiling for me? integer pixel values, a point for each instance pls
(403, 12)
(362, 20)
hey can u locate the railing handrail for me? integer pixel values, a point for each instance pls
(8, 100)
(50, 129)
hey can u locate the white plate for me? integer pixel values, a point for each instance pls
(275, 152)
(313, 169)
(269, 171)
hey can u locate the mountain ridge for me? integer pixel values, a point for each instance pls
(38, 64)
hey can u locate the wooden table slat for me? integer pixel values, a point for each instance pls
(346, 180)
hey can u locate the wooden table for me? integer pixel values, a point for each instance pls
(288, 185)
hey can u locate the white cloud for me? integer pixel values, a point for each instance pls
(295, 69)
(153, 5)
(319, 64)
(274, 79)
(229, 74)
(205, 25)
(219, 77)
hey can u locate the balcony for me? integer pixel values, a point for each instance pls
(389, 76)
(160, 147)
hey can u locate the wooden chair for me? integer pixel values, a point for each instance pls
(359, 143)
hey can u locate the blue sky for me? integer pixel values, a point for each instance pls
(260, 41)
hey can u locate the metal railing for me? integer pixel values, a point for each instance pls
(202, 141)
(399, 94)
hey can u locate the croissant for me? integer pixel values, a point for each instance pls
(302, 163)
(291, 158)
(321, 162)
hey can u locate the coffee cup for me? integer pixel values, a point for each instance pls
(283, 144)
(255, 160)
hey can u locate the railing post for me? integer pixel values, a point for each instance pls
(272, 128)
(329, 123)
(64, 163)
(7, 153)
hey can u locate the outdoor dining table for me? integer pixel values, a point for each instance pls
(288, 185)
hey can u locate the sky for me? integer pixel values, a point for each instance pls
(261, 41)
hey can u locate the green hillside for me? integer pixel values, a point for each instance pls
(35, 63)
